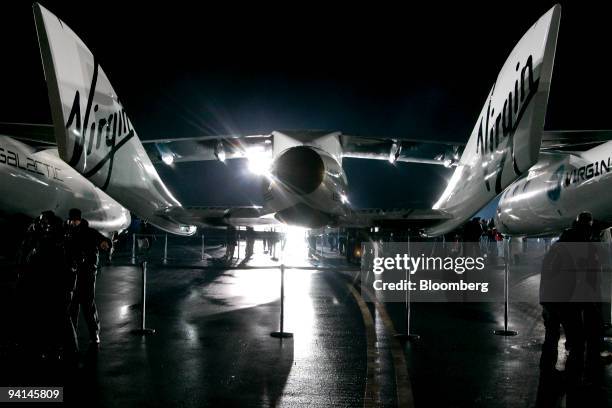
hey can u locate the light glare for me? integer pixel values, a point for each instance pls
(168, 158)
(259, 161)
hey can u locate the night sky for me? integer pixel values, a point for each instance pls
(184, 70)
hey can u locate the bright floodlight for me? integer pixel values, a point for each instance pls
(259, 161)
(168, 158)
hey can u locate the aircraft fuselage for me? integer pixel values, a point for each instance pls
(32, 181)
(556, 190)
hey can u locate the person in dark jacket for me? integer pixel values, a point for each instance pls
(231, 239)
(82, 251)
(472, 231)
(250, 242)
(557, 285)
(585, 251)
(45, 287)
(569, 288)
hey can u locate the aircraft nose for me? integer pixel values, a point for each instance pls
(300, 168)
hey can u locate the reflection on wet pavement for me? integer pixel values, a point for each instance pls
(213, 347)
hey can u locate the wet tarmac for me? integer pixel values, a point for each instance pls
(212, 345)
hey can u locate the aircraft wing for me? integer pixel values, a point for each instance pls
(254, 215)
(396, 218)
(376, 148)
(574, 140)
(205, 148)
(401, 149)
(221, 216)
(361, 147)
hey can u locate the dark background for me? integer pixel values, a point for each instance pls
(187, 69)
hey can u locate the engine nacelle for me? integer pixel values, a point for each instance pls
(299, 169)
(307, 187)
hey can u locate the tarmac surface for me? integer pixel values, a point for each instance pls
(212, 345)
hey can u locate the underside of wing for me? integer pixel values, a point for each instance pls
(221, 216)
(413, 219)
(205, 148)
(393, 149)
(574, 140)
(401, 149)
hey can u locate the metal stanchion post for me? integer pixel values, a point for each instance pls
(282, 334)
(165, 249)
(608, 326)
(203, 247)
(505, 331)
(143, 329)
(134, 248)
(408, 336)
(238, 243)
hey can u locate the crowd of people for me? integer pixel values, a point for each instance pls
(269, 240)
(483, 233)
(58, 262)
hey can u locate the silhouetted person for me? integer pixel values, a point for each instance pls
(82, 250)
(45, 288)
(250, 242)
(331, 241)
(472, 231)
(266, 241)
(571, 270)
(581, 229)
(230, 240)
(342, 244)
(557, 285)
(145, 243)
(588, 265)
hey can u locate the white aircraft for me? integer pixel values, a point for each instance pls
(33, 179)
(572, 176)
(305, 182)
